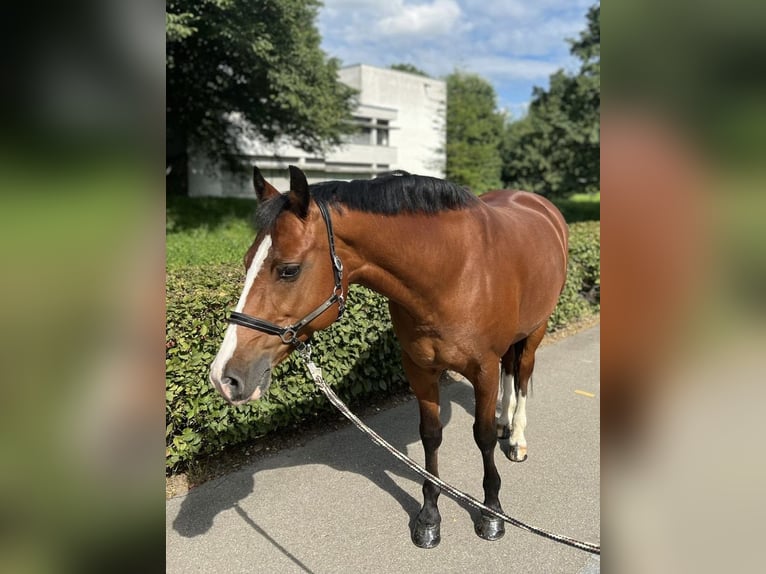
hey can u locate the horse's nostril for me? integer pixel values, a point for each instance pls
(233, 383)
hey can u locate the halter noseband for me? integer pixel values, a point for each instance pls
(289, 334)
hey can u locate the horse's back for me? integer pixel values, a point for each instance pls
(523, 205)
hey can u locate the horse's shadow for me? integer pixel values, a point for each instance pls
(358, 455)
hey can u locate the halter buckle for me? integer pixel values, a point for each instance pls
(288, 336)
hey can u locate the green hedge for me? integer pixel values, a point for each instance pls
(581, 295)
(359, 355)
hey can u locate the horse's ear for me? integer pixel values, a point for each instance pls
(299, 192)
(263, 189)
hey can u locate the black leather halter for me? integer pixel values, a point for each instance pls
(289, 334)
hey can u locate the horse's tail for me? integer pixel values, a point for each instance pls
(518, 350)
(511, 364)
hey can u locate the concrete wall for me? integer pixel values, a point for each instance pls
(419, 131)
(408, 110)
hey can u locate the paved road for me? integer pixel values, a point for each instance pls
(341, 504)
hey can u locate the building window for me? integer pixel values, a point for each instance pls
(370, 132)
(361, 136)
(382, 132)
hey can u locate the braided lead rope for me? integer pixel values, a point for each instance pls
(316, 374)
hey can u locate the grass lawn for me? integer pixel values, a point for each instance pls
(208, 230)
(580, 207)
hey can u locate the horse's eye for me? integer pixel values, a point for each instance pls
(289, 272)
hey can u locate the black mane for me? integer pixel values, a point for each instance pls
(391, 193)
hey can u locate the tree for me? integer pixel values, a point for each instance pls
(256, 60)
(474, 129)
(409, 68)
(555, 149)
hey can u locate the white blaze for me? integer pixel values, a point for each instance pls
(230, 338)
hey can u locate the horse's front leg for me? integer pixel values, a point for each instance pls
(425, 384)
(485, 385)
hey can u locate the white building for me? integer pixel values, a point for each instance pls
(402, 120)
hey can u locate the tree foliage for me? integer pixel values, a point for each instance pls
(474, 130)
(259, 60)
(554, 149)
(409, 68)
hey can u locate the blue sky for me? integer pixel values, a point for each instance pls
(514, 44)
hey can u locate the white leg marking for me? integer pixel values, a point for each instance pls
(519, 423)
(229, 344)
(509, 399)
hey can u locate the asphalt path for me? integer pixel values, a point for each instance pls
(341, 504)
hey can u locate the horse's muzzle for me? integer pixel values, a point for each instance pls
(239, 388)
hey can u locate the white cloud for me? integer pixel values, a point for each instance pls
(434, 19)
(539, 39)
(526, 8)
(515, 44)
(502, 9)
(355, 4)
(511, 68)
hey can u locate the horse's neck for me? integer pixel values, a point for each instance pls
(401, 257)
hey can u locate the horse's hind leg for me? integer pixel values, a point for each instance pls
(508, 405)
(425, 384)
(484, 381)
(520, 362)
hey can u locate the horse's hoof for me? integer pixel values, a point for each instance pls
(490, 527)
(503, 432)
(517, 453)
(426, 535)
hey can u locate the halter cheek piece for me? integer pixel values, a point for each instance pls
(289, 334)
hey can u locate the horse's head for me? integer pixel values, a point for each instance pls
(289, 276)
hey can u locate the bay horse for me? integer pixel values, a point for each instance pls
(471, 282)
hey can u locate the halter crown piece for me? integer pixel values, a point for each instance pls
(289, 334)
